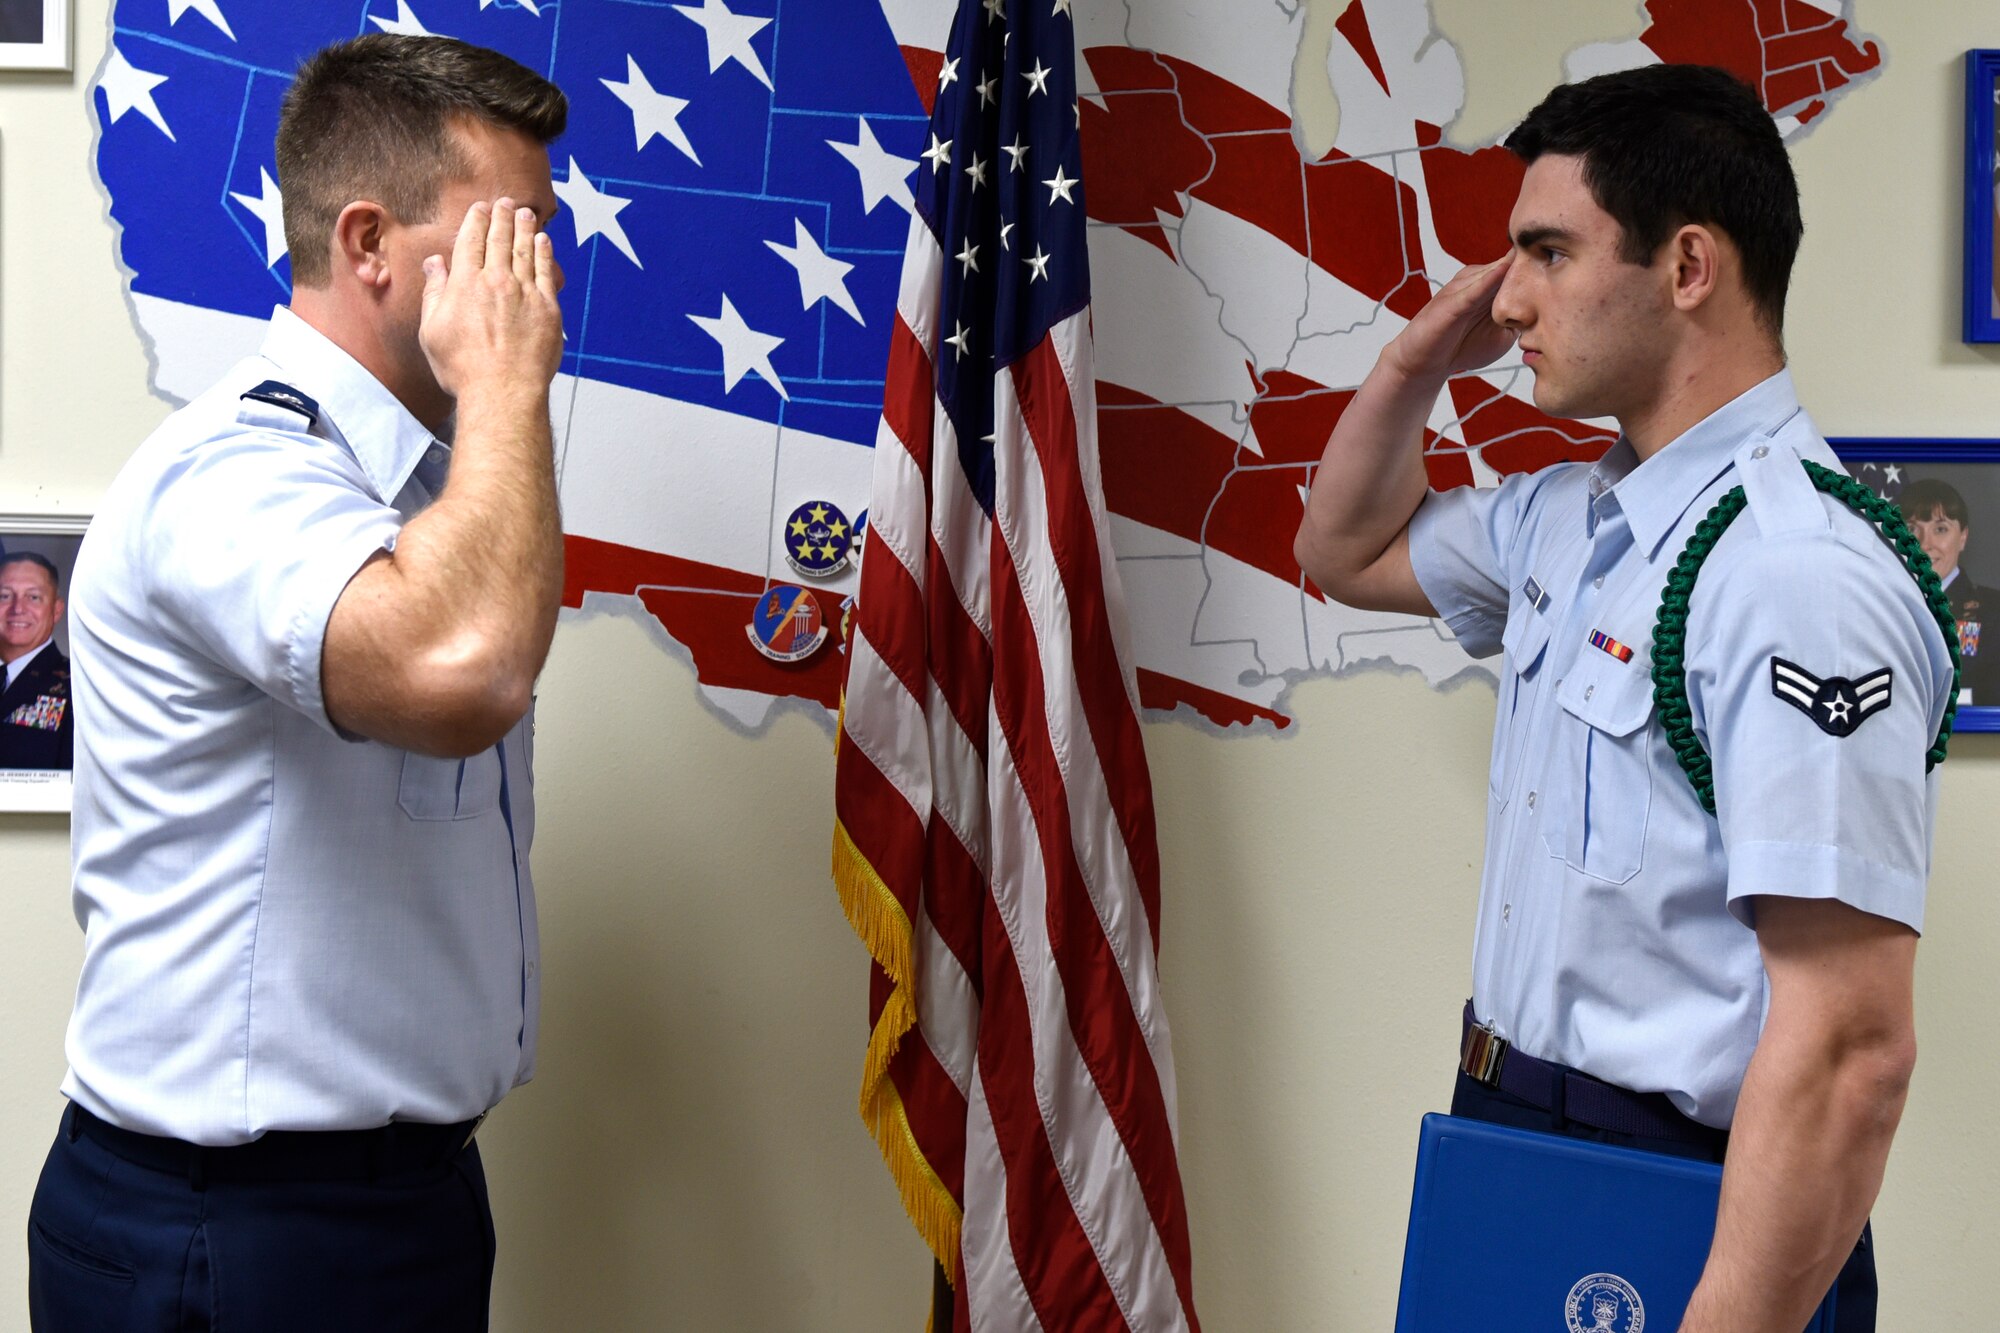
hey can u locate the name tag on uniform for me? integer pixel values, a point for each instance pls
(1537, 596)
(44, 714)
(1511, 1229)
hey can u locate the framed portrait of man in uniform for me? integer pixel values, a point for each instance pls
(1948, 492)
(37, 708)
(34, 34)
(1982, 198)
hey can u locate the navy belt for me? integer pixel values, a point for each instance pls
(284, 1155)
(1571, 1094)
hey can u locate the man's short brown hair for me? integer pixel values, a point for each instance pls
(370, 118)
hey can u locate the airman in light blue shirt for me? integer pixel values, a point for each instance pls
(1735, 986)
(1603, 942)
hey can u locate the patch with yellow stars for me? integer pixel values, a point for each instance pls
(819, 541)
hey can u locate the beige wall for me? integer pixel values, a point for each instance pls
(690, 1157)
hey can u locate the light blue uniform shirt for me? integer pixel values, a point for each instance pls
(285, 927)
(1615, 914)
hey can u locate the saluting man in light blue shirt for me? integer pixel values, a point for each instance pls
(1646, 972)
(306, 633)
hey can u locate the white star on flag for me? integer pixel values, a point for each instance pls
(1060, 187)
(1006, 230)
(987, 89)
(729, 36)
(1062, 7)
(969, 259)
(405, 22)
(1017, 151)
(743, 349)
(977, 171)
(949, 75)
(1038, 78)
(270, 210)
(821, 277)
(530, 5)
(938, 154)
(594, 212)
(996, 10)
(653, 112)
(1039, 262)
(883, 174)
(208, 9)
(129, 88)
(958, 339)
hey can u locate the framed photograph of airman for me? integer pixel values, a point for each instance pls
(37, 713)
(1949, 493)
(1982, 198)
(34, 34)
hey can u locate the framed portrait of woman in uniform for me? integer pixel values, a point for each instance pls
(37, 711)
(1948, 491)
(1982, 198)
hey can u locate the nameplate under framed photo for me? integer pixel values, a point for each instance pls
(37, 712)
(1949, 493)
(1982, 198)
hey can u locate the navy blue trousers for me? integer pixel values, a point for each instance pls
(1854, 1302)
(117, 1247)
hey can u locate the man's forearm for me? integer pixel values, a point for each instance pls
(1369, 481)
(1806, 1155)
(485, 560)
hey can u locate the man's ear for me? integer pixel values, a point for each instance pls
(359, 242)
(1695, 255)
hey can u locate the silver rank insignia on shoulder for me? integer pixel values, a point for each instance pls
(1838, 706)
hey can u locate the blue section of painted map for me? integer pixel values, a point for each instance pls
(735, 178)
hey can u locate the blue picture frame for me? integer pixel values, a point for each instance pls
(1860, 454)
(1982, 303)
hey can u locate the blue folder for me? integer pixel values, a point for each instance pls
(1514, 1230)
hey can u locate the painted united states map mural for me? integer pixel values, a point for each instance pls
(1275, 188)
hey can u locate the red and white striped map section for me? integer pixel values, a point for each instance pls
(1242, 290)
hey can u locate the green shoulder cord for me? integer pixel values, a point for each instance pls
(1670, 695)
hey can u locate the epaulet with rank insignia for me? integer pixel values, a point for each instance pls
(293, 410)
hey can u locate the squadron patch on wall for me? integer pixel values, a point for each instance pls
(1837, 705)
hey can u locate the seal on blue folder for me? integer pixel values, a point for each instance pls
(1512, 1231)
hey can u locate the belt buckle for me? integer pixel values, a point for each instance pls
(1482, 1054)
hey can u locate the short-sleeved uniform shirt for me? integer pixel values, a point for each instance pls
(1615, 917)
(285, 927)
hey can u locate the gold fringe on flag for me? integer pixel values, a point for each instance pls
(876, 916)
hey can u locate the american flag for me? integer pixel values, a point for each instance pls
(995, 843)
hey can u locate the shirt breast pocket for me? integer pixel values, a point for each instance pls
(1604, 769)
(433, 788)
(1525, 644)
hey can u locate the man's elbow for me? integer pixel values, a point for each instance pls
(1327, 575)
(1872, 1075)
(470, 694)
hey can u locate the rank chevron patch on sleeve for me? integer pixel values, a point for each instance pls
(1837, 705)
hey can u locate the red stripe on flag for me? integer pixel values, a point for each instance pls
(1044, 394)
(961, 661)
(884, 828)
(935, 1110)
(1101, 1019)
(955, 895)
(909, 404)
(1057, 1266)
